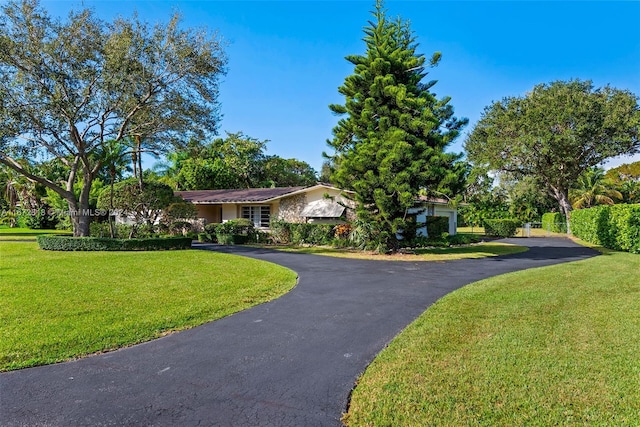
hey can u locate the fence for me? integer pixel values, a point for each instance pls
(535, 229)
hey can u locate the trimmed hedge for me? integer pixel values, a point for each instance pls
(501, 227)
(232, 239)
(437, 226)
(302, 233)
(66, 243)
(554, 222)
(615, 227)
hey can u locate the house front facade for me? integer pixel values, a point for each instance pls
(316, 204)
(319, 203)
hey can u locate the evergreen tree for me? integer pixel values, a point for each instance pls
(390, 143)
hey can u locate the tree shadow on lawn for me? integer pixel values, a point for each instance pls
(551, 248)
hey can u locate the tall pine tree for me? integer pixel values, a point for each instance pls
(390, 143)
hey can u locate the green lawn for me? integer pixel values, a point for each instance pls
(558, 345)
(533, 232)
(60, 305)
(7, 233)
(480, 250)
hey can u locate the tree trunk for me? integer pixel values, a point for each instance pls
(138, 148)
(562, 196)
(112, 228)
(80, 210)
(134, 161)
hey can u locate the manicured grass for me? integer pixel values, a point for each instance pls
(558, 345)
(480, 250)
(7, 233)
(533, 232)
(60, 305)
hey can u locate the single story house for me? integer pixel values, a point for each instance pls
(320, 203)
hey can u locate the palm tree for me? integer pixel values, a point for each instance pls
(113, 158)
(630, 191)
(592, 190)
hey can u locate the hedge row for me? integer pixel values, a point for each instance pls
(554, 222)
(302, 233)
(66, 243)
(501, 227)
(437, 226)
(615, 227)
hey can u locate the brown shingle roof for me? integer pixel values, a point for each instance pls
(433, 200)
(246, 195)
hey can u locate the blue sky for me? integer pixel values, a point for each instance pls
(286, 58)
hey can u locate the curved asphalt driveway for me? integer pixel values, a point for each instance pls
(290, 362)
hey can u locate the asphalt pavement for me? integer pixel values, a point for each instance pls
(290, 362)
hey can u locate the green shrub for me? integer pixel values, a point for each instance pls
(233, 232)
(554, 222)
(280, 231)
(366, 236)
(312, 234)
(66, 243)
(301, 233)
(615, 227)
(591, 225)
(437, 225)
(233, 239)
(445, 240)
(624, 230)
(501, 227)
(463, 239)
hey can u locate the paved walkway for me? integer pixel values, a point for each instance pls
(290, 362)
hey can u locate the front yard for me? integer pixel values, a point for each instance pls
(557, 345)
(56, 306)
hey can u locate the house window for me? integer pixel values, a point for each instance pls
(259, 215)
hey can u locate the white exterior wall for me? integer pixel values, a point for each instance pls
(421, 216)
(319, 193)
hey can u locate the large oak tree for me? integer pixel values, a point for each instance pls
(555, 133)
(68, 87)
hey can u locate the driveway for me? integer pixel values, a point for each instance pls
(289, 362)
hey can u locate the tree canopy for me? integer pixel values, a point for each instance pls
(555, 133)
(70, 86)
(624, 172)
(236, 161)
(389, 144)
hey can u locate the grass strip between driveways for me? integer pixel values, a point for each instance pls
(56, 306)
(558, 345)
(480, 250)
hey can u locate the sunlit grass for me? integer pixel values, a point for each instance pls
(7, 233)
(558, 345)
(520, 232)
(60, 305)
(480, 250)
